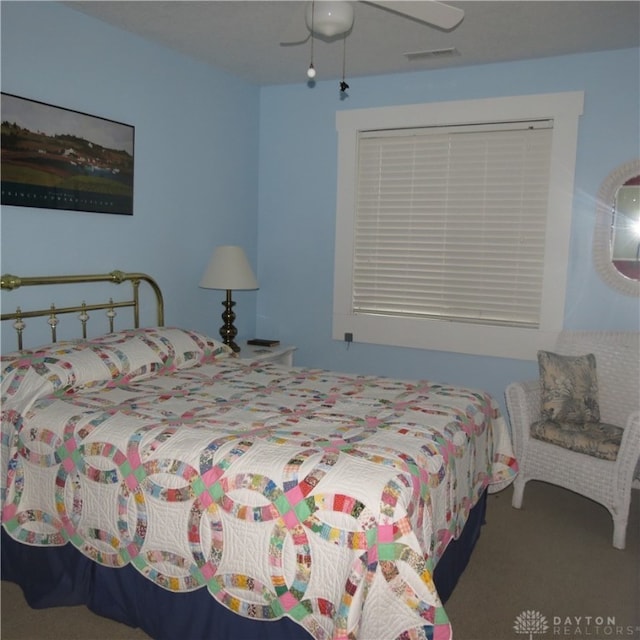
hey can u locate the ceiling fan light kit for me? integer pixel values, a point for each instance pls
(329, 18)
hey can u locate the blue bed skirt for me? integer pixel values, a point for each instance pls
(62, 576)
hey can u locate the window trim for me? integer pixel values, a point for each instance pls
(510, 342)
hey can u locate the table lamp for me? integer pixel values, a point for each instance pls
(229, 269)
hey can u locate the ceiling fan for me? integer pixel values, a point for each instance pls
(333, 19)
(330, 20)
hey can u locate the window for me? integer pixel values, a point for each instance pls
(453, 223)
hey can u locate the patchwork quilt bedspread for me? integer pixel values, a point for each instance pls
(324, 497)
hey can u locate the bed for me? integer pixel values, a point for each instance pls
(156, 477)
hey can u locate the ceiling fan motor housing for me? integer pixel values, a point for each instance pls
(329, 18)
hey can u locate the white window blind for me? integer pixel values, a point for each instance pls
(450, 222)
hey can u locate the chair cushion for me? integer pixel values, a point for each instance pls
(596, 439)
(569, 388)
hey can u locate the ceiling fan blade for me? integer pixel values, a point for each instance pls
(296, 42)
(295, 31)
(432, 12)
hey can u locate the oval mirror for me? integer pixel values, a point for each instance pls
(616, 238)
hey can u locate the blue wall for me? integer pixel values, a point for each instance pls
(220, 161)
(298, 195)
(196, 159)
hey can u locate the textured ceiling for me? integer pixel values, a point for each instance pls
(243, 37)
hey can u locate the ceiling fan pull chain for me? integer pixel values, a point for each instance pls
(311, 71)
(343, 85)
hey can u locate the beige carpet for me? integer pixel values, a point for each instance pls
(549, 564)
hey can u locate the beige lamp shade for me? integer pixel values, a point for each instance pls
(229, 269)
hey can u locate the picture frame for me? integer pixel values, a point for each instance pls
(57, 158)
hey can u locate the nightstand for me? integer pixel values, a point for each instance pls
(279, 354)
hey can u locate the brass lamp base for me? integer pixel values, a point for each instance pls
(227, 331)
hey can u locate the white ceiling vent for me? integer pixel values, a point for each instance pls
(432, 54)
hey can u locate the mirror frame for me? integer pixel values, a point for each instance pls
(602, 232)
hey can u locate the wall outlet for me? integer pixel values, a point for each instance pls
(348, 337)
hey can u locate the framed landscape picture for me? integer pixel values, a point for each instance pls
(57, 158)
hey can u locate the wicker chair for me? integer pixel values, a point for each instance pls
(607, 482)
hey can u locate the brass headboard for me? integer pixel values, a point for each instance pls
(10, 282)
